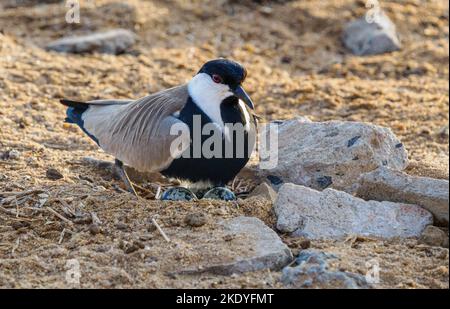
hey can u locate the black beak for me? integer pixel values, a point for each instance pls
(241, 94)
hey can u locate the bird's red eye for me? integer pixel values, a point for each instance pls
(217, 79)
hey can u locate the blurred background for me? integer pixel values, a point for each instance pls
(293, 50)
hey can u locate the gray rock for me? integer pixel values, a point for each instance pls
(53, 174)
(275, 182)
(113, 42)
(14, 154)
(265, 191)
(243, 244)
(434, 236)
(385, 184)
(333, 214)
(371, 38)
(313, 272)
(333, 154)
(443, 132)
(195, 219)
(10, 155)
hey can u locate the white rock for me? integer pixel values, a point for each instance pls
(333, 154)
(370, 38)
(249, 245)
(334, 214)
(385, 184)
(110, 42)
(13, 154)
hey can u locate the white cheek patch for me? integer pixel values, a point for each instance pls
(208, 96)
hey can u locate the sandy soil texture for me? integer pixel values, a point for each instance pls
(297, 66)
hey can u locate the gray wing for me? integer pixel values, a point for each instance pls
(138, 132)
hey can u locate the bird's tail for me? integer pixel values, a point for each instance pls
(75, 110)
(74, 114)
(75, 104)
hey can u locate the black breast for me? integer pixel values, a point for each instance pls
(224, 165)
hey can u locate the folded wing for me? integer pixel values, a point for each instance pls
(138, 132)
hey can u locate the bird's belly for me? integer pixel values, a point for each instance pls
(211, 157)
(218, 171)
(218, 167)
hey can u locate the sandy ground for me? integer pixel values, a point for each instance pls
(297, 66)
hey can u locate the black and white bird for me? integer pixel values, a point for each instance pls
(138, 132)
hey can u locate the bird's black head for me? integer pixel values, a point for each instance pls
(225, 71)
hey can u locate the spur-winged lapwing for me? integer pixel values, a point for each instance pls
(138, 132)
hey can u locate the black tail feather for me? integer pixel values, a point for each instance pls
(75, 104)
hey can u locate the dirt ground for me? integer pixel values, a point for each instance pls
(297, 66)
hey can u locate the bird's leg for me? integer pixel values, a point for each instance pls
(118, 165)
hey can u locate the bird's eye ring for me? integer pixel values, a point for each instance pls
(217, 79)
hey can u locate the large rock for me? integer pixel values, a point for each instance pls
(335, 214)
(238, 245)
(385, 184)
(113, 42)
(370, 37)
(333, 154)
(313, 271)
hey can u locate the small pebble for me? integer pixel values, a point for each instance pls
(145, 237)
(286, 59)
(305, 243)
(443, 132)
(88, 179)
(20, 224)
(99, 189)
(13, 154)
(94, 229)
(195, 219)
(121, 226)
(434, 236)
(139, 244)
(171, 275)
(54, 174)
(266, 10)
(151, 227)
(83, 219)
(229, 237)
(130, 248)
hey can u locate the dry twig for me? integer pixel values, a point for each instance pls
(160, 230)
(59, 216)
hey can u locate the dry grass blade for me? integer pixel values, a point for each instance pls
(160, 230)
(59, 216)
(18, 194)
(61, 237)
(158, 193)
(8, 212)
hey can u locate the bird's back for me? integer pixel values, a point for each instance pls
(135, 132)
